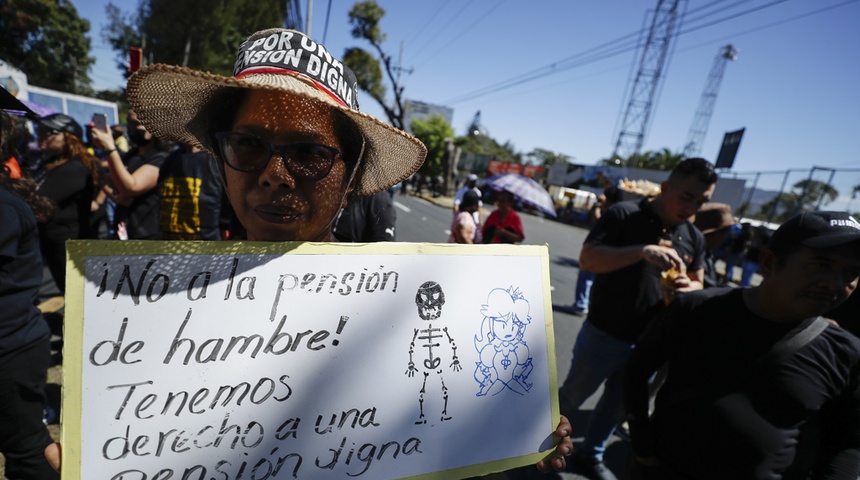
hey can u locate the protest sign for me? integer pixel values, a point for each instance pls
(243, 360)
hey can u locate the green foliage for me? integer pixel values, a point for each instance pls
(121, 33)
(46, 39)
(433, 131)
(651, 160)
(364, 18)
(367, 72)
(805, 195)
(546, 158)
(198, 34)
(486, 145)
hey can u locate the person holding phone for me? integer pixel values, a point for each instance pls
(136, 180)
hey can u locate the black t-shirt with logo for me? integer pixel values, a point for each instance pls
(191, 197)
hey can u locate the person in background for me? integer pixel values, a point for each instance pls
(758, 243)
(25, 348)
(70, 179)
(759, 386)
(715, 221)
(585, 279)
(470, 185)
(630, 248)
(136, 182)
(504, 225)
(191, 196)
(463, 227)
(367, 218)
(118, 132)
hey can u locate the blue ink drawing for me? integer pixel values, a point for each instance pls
(505, 362)
(429, 299)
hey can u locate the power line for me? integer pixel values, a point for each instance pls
(464, 31)
(770, 25)
(596, 50)
(557, 67)
(427, 23)
(447, 24)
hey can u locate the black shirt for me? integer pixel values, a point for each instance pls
(190, 197)
(773, 422)
(70, 187)
(21, 323)
(141, 216)
(368, 218)
(624, 301)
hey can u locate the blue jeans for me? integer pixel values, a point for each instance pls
(597, 358)
(583, 289)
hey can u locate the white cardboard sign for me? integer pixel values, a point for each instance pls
(255, 361)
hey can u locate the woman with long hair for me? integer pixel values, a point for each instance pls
(70, 180)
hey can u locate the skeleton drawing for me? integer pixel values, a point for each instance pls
(429, 299)
(505, 361)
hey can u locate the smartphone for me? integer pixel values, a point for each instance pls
(100, 121)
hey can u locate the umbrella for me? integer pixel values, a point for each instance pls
(524, 189)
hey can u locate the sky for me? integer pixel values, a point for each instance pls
(794, 87)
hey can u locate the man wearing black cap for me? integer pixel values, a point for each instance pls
(759, 386)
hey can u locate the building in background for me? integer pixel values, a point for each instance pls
(415, 109)
(44, 101)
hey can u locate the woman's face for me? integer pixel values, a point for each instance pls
(272, 203)
(51, 142)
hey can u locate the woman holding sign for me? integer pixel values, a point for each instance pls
(291, 141)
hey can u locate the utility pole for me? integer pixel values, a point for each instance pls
(641, 102)
(702, 118)
(399, 68)
(310, 11)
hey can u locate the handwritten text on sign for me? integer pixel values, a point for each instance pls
(311, 366)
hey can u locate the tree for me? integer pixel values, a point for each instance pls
(433, 131)
(364, 18)
(547, 158)
(198, 34)
(650, 160)
(805, 195)
(46, 39)
(485, 145)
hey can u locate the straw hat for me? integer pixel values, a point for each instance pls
(173, 102)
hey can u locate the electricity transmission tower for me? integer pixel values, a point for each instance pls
(643, 95)
(702, 119)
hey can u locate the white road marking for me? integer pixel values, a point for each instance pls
(402, 207)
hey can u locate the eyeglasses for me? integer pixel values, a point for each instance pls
(249, 153)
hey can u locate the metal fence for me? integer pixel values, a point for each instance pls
(774, 195)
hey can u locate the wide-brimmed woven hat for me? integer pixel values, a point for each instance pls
(713, 216)
(172, 102)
